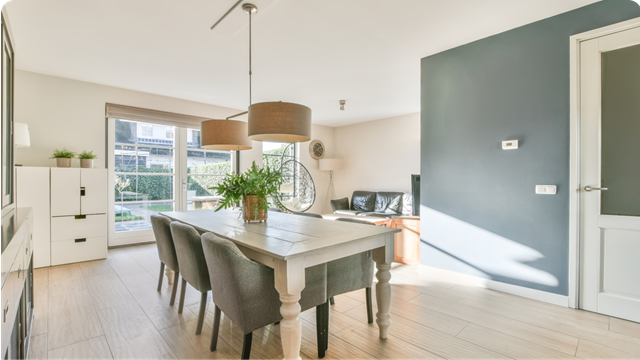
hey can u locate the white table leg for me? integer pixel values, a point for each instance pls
(289, 276)
(170, 274)
(384, 257)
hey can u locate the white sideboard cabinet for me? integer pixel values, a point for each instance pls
(70, 213)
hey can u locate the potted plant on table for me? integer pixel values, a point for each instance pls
(63, 157)
(86, 158)
(252, 189)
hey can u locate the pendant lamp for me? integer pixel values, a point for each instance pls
(224, 135)
(276, 121)
(279, 122)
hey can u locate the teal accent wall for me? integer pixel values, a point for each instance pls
(479, 211)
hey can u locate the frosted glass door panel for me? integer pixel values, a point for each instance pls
(621, 132)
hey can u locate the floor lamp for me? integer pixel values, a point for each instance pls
(329, 165)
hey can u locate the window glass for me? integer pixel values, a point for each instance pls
(144, 160)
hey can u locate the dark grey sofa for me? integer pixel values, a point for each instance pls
(384, 204)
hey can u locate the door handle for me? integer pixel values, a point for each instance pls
(5, 312)
(591, 188)
(184, 184)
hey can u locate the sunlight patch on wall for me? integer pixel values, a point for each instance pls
(481, 250)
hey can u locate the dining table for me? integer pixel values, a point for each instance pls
(291, 243)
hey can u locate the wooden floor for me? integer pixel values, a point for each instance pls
(110, 308)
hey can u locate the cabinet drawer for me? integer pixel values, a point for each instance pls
(70, 251)
(68, 227)
(8, 303)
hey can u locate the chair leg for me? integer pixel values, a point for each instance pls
(320, 330)
(325, 318)
(174, 290)
(216, 328)
(183, 290)
(369, 307)
(161, 277)
(203, 310)
(246, 345)
(333, 302)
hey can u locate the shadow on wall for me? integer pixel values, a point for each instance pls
(479, 252)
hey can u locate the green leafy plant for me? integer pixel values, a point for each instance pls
(63, 154)
(262, 182)
(85, 154)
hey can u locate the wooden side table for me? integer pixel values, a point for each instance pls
(408, 241)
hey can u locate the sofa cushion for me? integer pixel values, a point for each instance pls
(389, 202)
(340, 204)
(363, 201)
(378, 214)
(347, 212)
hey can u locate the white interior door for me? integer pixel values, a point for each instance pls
(610, 175)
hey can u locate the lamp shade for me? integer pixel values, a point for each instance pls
(22, 137)
(279, 122)
(330, 164)
(224, 135)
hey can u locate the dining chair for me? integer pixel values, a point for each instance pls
(166, 252)
(307, 214)
(352, 273)
(244, 291)
(193, 265)
(275, 210)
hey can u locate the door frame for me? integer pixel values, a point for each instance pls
(574, 152)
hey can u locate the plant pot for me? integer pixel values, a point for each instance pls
(63, 162)
(250, 204)
(86, 163)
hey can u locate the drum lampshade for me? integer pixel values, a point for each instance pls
(279, 122)
(224, 135)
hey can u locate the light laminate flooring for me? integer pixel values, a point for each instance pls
(110, 309)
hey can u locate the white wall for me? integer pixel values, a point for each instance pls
(378, 155)
(320, 178)
(68, 113)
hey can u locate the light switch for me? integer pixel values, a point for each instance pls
(510, 145)
(546, 189)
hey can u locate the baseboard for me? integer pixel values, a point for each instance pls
(560, 300)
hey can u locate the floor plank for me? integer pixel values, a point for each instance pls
(96, 348)
(82, 310)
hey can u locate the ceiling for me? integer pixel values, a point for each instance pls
(310, 52)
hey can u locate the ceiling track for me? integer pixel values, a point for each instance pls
(226, 14)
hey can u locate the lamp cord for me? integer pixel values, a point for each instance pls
(250, 73)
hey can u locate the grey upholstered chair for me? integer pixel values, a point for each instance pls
(352, 273)
(244, 290)
(166, 252)
(307, 214)
(193, 265)
(275, 210)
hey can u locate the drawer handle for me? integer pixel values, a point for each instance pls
(78, 217)
(5, 312)
(82, 191)
(81, 240)
(19, 271)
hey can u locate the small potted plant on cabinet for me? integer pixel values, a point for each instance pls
(86, 159)
(252, 188)
(63, 157)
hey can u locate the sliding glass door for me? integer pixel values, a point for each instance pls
(155, 168)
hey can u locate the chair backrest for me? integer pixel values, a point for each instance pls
(164, 240)
(275, 210)
(356, 221)
(307, 214)
(193, 265)
(243, 289)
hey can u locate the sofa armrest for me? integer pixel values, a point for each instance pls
(340, 204)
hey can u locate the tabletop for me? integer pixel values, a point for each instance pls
(283, 236)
